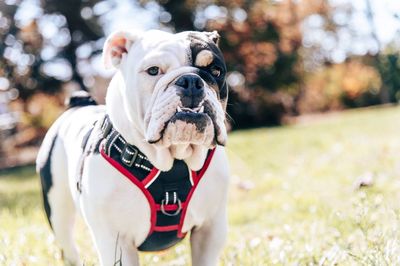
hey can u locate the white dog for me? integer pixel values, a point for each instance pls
(149, 166)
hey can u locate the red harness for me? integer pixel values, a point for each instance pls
(153, 241)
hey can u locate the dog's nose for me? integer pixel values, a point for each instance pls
(192, 84)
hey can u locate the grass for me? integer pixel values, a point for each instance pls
(294, 199)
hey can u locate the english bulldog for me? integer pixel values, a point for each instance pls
(149, 166)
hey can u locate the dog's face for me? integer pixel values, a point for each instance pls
(174, 87)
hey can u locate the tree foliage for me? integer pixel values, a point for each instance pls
(31, 54)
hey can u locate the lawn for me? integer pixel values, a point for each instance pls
(295, 198)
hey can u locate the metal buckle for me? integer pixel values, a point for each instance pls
(129, 154)
(168, 213)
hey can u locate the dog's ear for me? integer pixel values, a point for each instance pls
(117, 46)
(213, 36)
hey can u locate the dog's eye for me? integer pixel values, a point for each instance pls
(153, 71)
(216, 71)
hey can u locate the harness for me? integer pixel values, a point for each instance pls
(168, 193)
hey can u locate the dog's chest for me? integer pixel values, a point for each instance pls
(117, 196)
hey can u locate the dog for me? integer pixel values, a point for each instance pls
(149, 166)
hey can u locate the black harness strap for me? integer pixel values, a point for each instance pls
(119, 149)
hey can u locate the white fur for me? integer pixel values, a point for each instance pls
(115, 210)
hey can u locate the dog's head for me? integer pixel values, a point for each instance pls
(174, 85)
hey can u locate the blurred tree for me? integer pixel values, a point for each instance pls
(182, 11)
(20, 62)
(386, 62)
(40, 53)
(349, 84)
(82, 27)
(388, 65)
(334, 37)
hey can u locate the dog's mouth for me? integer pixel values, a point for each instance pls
(187, 126)
(185, 110)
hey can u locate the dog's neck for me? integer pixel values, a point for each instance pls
(133, 131)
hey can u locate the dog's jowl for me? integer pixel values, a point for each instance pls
(149, 167)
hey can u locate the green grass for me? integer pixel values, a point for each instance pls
(293, 199)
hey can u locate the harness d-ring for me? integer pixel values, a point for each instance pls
(173, 213)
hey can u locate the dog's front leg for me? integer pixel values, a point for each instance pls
(208, 241)
(113, 248)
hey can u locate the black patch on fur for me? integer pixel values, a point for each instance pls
(210, 111)
(197, 44)
(80, 98)
(47, 180)
(199, 120)
(223, 91)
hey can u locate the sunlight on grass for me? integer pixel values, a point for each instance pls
(294, 199)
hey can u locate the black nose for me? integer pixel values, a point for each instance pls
(191, 83)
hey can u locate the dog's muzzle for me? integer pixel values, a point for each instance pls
(185, 112)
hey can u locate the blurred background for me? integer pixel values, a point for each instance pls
(286, 58)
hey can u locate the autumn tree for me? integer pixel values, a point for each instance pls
(36, 59)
